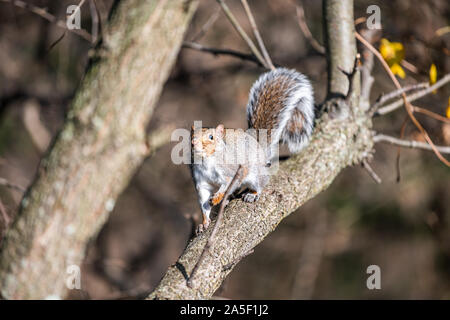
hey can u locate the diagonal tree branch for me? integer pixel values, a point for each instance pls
(414, 96)
(245, 225)
(217, 51)
(100, 147)
(242, 33)
(49, 17)
(408, 143)
(337, 143)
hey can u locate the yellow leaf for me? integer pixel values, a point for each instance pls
(393, 53)
(448, 109)
(397, 70)
(386, 49)
(433, 75)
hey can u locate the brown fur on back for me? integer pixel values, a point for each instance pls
(270, 102)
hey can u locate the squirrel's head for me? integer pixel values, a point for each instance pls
(204, 141)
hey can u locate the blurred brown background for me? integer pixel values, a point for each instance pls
(321, 251)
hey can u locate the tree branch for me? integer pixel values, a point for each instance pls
(409, 143)
(102, 144)
(257, 34)
(7, 184)
(337, 143)
(301, 20)
(340, 45)
(242, 33)
(216, 51)
(396, 93)
(49, 17)
(245, 225)
(412, 97)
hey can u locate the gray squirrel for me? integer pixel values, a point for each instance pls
(281, 101)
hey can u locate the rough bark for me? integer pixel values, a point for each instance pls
(98, 150)
(341, 138)
(340, 44)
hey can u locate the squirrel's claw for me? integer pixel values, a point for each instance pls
(203, 226)
(251, 196)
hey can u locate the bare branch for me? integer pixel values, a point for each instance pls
(301, 20)
(340, 46)
(431, 114)
(7, 184)
(96, 20)
(242, 33)
(257, 34)
(5, 215)
(49, 17)
(366, 69)
(409, 143)
(337, 142)
(417, 95)
(158, 138)
(98, 150)
(208, 24)
(396, 93)
(351, 78)
(39, 134)
(370, 171)
(216, 51)
(408, 106)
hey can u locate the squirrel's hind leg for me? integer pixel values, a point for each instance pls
(255, 186)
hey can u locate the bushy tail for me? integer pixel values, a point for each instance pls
(282, 102)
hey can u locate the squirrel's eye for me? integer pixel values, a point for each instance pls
(211, 137)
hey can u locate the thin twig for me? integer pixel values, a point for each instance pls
(417, 95)
(242, 33)
(399, 149)
(208, 24)
(56, 41)
(306, 32)
(216, 51)
(159, 138)
(95, 17)
(49, 17)
(212, 237)
(367, 79)
(77, 10)
(351, 77)
(6, 218)
(431, 114)
(408, 106)
(7, 184)
(409, 143)
(370, 171)
(257, 34)
(396, 93)
(409, 66)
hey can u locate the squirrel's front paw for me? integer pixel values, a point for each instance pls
(251, 196)
(203, 226)
(217, 198)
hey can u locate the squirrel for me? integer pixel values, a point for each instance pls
(281, 101)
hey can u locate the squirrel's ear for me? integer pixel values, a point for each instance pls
(220, 130)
